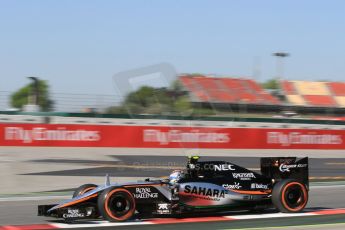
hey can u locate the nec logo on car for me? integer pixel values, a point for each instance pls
(223, 167)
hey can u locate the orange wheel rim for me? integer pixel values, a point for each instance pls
(109, 212)
(303, 197)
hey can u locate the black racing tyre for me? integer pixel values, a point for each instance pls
(116, 204)
(83, 189)
(289, 196)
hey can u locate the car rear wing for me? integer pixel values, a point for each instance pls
(279, 168)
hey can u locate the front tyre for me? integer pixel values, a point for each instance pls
(289, 196)
(116, 204)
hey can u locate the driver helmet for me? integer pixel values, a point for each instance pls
(175, 176)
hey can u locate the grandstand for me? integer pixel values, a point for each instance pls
(314, 94)
(226, 90)
(304, 97)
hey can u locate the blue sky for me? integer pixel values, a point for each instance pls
(79, 45)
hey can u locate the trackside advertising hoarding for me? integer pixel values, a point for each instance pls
(168, 137)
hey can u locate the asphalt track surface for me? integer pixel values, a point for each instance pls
(323, 194)
(18, 212)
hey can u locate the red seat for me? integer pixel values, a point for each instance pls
(255, 86)
(211, 88)
(248, 97)
(288, 88)
(191, 85)
(224, 97)
(337, 88)
(320, 100)
(227, 90)
(232, 84)
(207, 83)
(264, 97)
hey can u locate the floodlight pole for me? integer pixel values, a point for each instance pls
(279, 64)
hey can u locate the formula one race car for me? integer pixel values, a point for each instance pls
(208, 186)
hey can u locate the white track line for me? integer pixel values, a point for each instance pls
(28, 198)
(294, 227)
(270, 215)
(97, 224)
(327, 186)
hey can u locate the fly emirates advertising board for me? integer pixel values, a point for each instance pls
(168, 137)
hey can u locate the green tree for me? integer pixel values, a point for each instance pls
(152, 100)
(20, 97)
(147, 96)
(183, 106)
(271, 84)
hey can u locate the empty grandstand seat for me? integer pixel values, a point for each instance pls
(311, 88)
(212, 89)
(250, 98)
(321, 94)
(288, 88)
(191, 86)
(295, 99)
(255, 86)
(337, 88)
(320, 100)
(240, 90)
(223, 96)
(262, 96)
(187, 82)
(207, 83)
(233, 84)
(227, 90)
(340, 100)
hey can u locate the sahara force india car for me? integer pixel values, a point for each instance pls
(207, 186)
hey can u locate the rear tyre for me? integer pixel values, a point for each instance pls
(83, 189)
(116, 204)
(289, 196)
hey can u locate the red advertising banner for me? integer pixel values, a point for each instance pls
(168, 137)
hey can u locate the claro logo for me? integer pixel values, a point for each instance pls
(44, 134)
(297, 138)
(193, 136)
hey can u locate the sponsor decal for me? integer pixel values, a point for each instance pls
(212, 167)
(179, 136)
(144, 193)
(163, 208)
(259, 186)
(243, 176)
(296, 138)
(73, 213)
(44, 134)
(202, 191)
(236, 185)
(286, 168)
(223, 167)
(86, 135)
